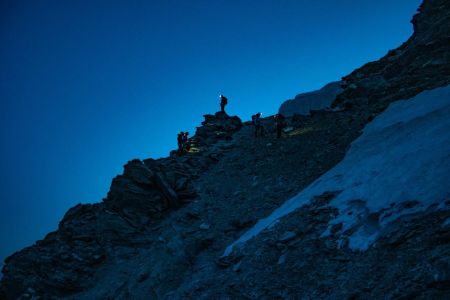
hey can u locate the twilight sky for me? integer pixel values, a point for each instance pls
(86, 86)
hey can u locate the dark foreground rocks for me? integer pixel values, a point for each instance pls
(91, 235)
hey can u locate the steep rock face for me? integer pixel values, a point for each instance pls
(91, 235)
(141, 192)
(64, 260)
(421, 63)
(302, 104)
(251, 178)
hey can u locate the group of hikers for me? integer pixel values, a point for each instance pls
(279, 121)
(182, 138)
(183, 143)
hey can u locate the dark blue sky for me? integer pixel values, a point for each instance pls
(87, 85)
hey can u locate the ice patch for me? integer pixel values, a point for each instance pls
(399, 165)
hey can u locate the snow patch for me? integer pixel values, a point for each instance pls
(398, 166)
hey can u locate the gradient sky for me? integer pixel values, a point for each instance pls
(86, 86)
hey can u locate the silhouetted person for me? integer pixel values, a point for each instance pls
(223, 102)
(185, 142)
(180, 142)
(279, 120)
(256, 120)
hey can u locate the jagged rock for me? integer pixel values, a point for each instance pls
(136, 190)
(193, 215)
(141, 192)
(217, 127)
(204, 226)
(181, 184)
(282, 259)
(420, 63)
(287, 236)
(64, 257)
(167, 190)
(325, 198)
(237, 267)
(138, 172)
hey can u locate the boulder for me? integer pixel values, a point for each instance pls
(216, 127)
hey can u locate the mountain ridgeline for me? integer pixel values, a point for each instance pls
(239, 217)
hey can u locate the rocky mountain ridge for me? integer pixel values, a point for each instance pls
(162, 229)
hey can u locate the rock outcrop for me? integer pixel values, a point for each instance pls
(162, 229)
(217, 127)
(64, 262)
(421, 63)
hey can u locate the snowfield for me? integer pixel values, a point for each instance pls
(398, 166)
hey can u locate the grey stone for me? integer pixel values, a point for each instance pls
(287, 236)
(204, 226)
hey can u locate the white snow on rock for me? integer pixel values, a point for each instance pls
(399, 165)
(302, 104)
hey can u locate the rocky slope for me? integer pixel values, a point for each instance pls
(163, 227)
(419, 64)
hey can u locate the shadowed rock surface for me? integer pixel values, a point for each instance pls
(161, 230)
(421, 63)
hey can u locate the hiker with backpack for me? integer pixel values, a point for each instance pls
(279, 121)
(223, 102)
(180, 142)
(256, 120)
(185, 143)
